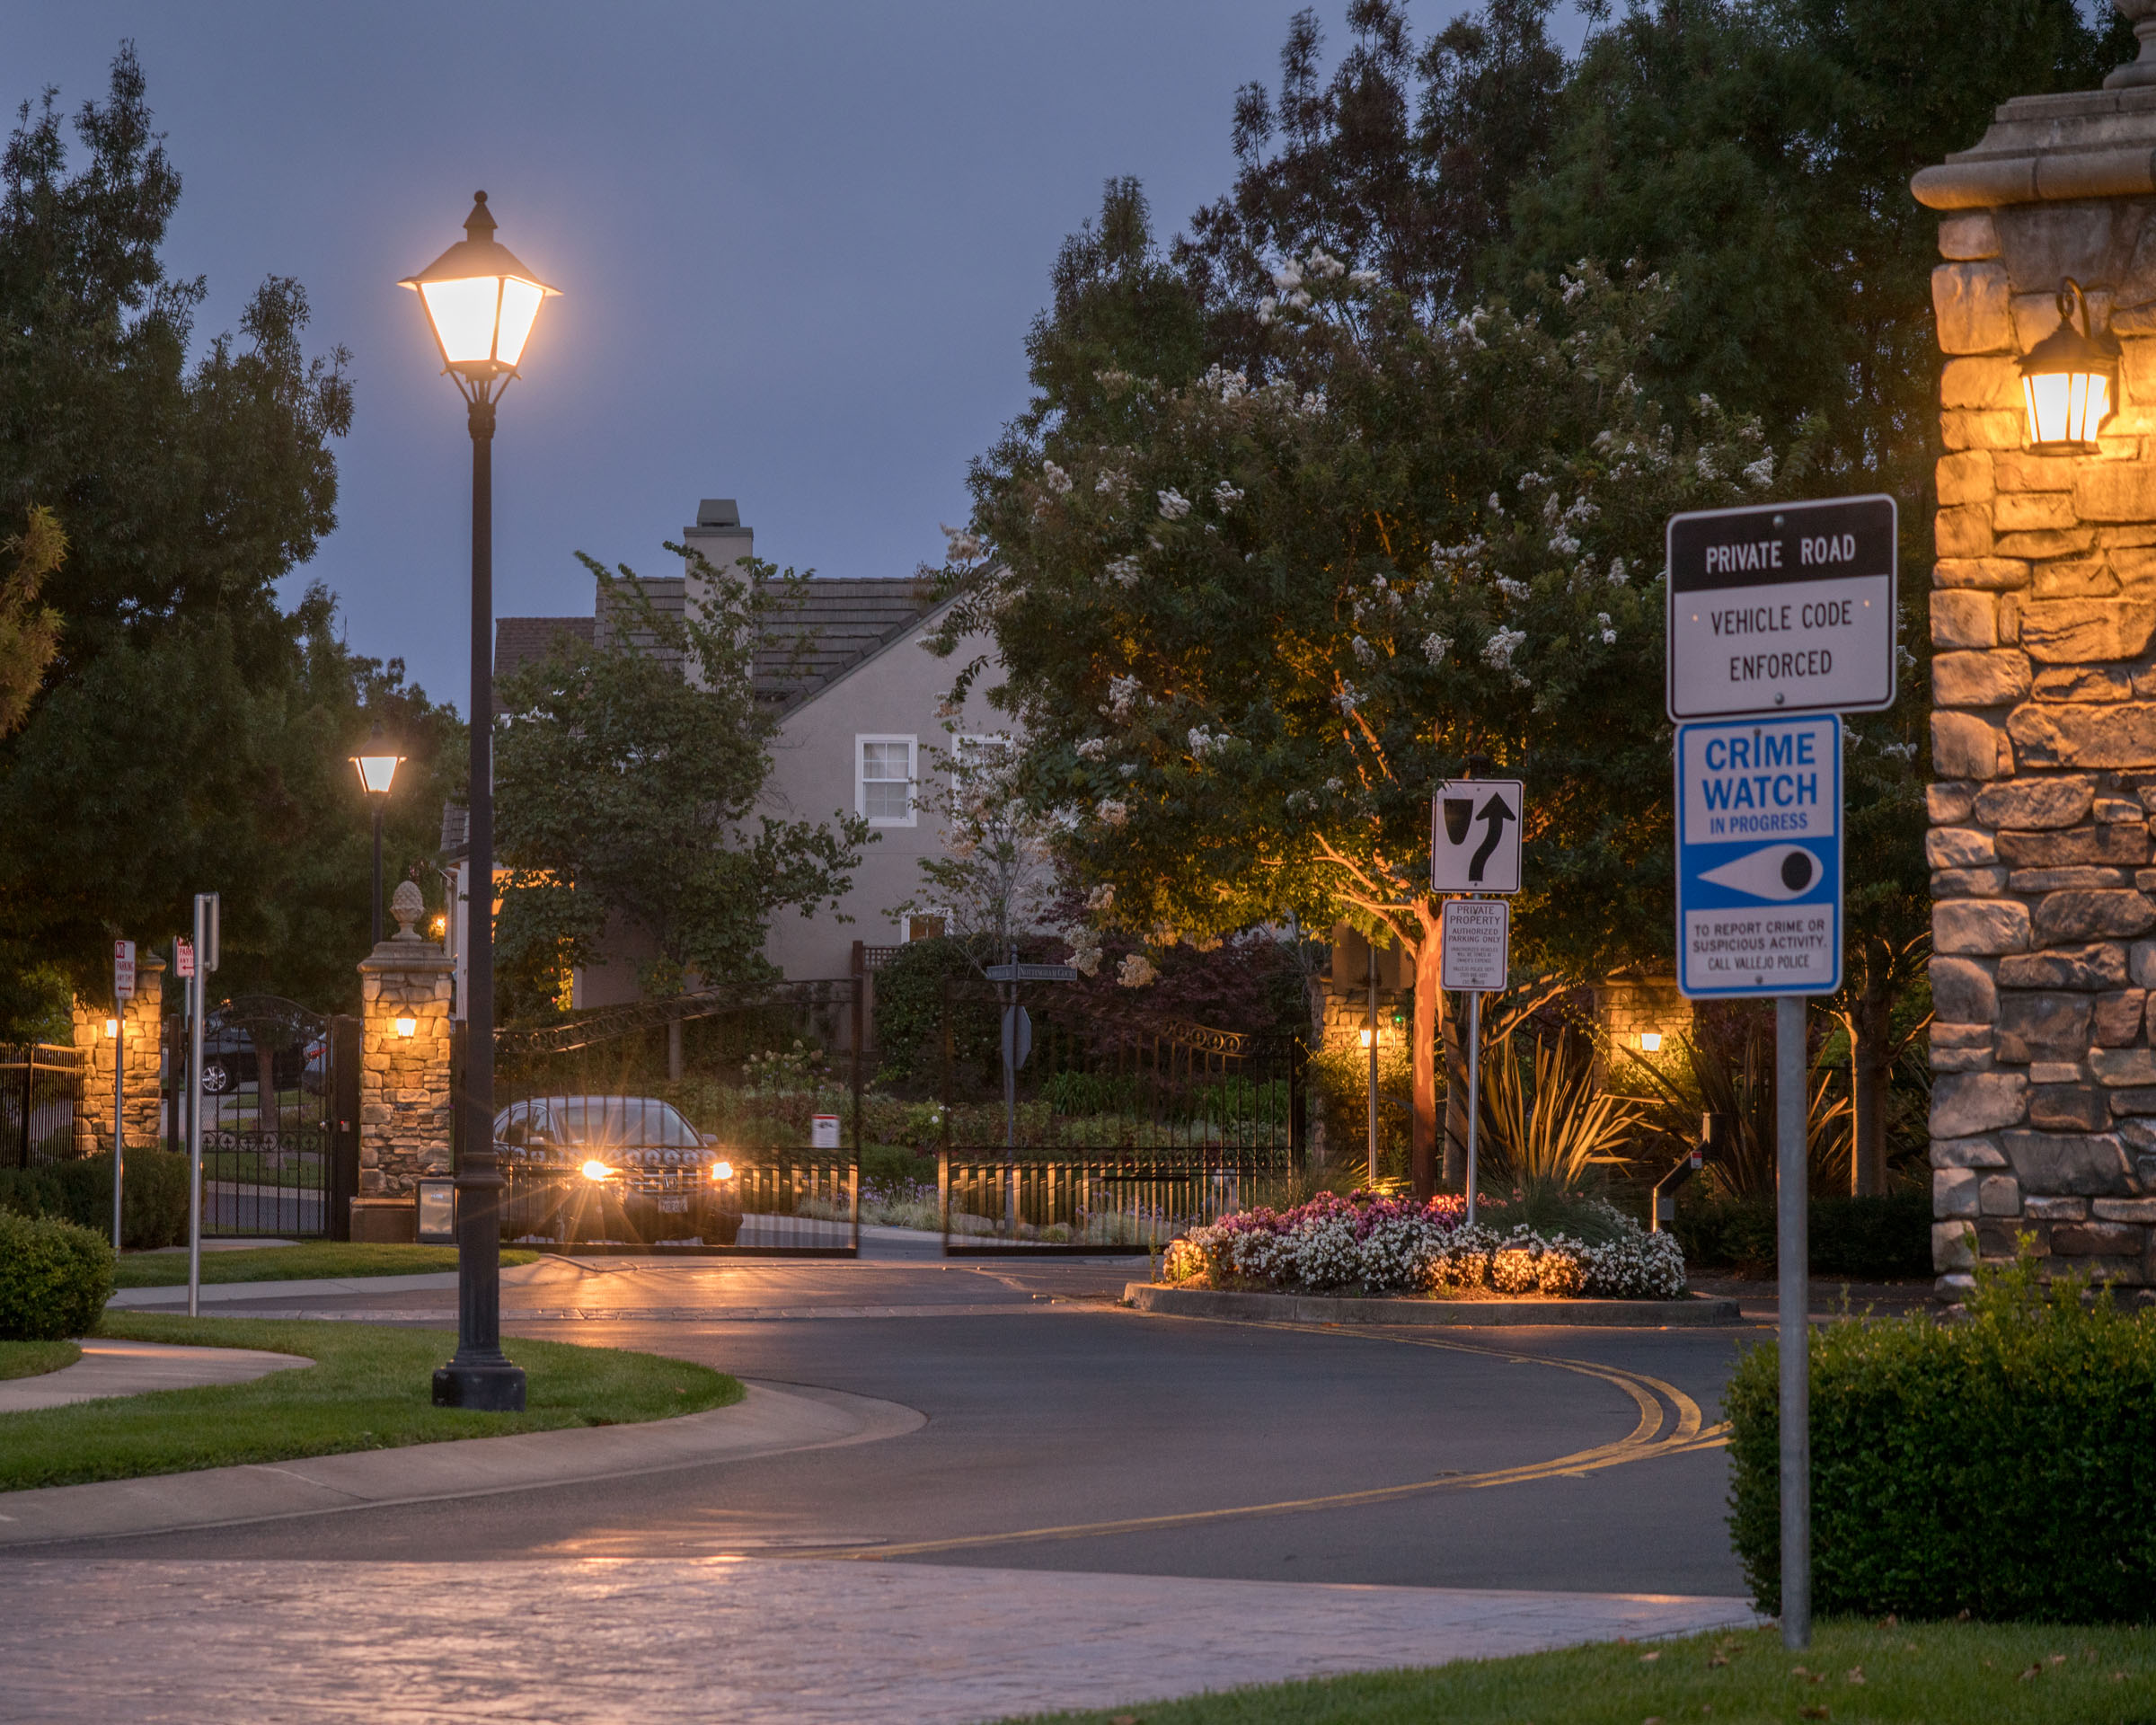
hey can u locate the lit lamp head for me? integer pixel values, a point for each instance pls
(111, 1029)
(2070, 381)
(1369, 1036)
(407, 1024)
(1650, 1041)
(378, 767)
(482, 303)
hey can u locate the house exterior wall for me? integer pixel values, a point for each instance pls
(896, 693)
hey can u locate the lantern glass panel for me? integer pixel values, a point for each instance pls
(463, 314)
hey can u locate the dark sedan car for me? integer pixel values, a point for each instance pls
(628, 1169)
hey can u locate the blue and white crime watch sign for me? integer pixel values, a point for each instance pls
(1759, 857)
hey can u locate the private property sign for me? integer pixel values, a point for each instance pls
(1785, 609)
(1759, 857)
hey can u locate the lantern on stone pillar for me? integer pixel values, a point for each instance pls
(2070, 381)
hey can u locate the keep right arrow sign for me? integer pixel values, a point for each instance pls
(1475, 836)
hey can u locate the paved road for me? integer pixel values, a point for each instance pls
(1064, 1434)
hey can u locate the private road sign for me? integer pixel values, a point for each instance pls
(1759, 857)
(1477, 954)
(1475, 836)
(1784, 609)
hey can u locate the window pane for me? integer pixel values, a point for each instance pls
(885, 761)
(886, 800)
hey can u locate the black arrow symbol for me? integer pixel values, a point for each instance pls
(1494, 814)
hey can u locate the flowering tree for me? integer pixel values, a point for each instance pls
(1249, 624)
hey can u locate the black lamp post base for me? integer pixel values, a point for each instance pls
(494, 1386)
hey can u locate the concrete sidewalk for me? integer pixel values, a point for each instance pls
(769, 1422)
(592, 1642)
(137, 1367)
(546, 1271)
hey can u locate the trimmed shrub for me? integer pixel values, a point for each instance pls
(153, 1201)
(1866, 1238)
(54, 1278)
(2000, 1466)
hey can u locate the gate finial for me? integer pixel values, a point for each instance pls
(407, 907)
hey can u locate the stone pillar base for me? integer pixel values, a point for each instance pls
(387, 1221)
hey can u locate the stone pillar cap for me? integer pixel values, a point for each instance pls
(2051, 149)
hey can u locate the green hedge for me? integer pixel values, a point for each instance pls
(2002, 1466)
(1866, 1238)
(54, 1278)
(154, 1211)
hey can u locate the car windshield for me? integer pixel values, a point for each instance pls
(597, 1121)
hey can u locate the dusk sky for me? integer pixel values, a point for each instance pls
(799, 244)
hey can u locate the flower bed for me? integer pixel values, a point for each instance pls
(1379, 1246)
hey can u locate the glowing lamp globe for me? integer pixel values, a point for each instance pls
(481, 301)
(1650, 1041)
(408, 1024)
(2070, 381)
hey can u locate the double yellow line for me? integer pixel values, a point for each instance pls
(1646, 1441)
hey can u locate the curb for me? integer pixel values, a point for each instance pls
(130, 1299)
(1317, 1308)
(768, 1421)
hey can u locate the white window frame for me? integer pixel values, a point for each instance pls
(912, 782)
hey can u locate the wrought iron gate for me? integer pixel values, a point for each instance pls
(38, 1085)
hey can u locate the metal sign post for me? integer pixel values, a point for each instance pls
(123, 991)
(202, 959)
(1475, 960)
(1775, 612)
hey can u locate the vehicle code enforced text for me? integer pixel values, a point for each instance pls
(1759, 856)
(1787, 608)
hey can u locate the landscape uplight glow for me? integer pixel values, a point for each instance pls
(2070, 380)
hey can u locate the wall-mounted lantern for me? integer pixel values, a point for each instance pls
(2070, 381)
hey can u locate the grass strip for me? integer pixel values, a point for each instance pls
(1854, 1673)
(35, 1358)
(324, 1258)
(370, 1388)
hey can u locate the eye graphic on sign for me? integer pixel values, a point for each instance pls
(1778, 871)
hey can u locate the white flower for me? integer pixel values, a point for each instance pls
(1362, 278)
(1609, 634)
(960, 544)
(1513, 590)
(1225, 495)
(1436, 647)
(1137, 971)
(1112, 812)
(1101, 899)
(1322, 263)
(1704, 466)
(1349, 699)
(1617, 574)
(1094, 748)
(1363, 650)
(1332, 787)
(1229, 385)
(1495, 505)
(1573, 287)
(1205, 743)
(1055, 479)
(1761, 472)
(1498, 650)
(1299, 299)
(1111, 484)
(1085, 952)
(1900, 751)
(1288, 277)
(1266, 306)
(1174, 504)
(1122, 693)
(1124, 572)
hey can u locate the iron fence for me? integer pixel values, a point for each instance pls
(39, 1083)
(1003, 1202)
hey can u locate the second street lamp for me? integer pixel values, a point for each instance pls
(482, 303)
(377, 769)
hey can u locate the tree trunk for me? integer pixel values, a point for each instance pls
(1869, 1034)
(1429, 1024)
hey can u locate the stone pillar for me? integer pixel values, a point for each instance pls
(2044, 687)
(144, 1023)
(404, 1108)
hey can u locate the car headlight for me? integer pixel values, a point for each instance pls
(597, 1170)
(722, 1170)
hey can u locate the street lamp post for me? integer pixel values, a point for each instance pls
(482, 303)
(376, 768)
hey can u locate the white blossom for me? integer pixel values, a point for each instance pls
(1111, 484)
(1900, 751)
(1609, 634)
(1122, 693)
(1225, 495)
(1055, 479)
(1288, 277)
(1436, 647)
(1513, 590)
(1332, 787)
(1704, 466)
(1174, 504)
(1112, 812)
(1349, 699)
(1137, 971)
(1362, 278)
(1085, 952)
(1299, 299)
(1205, 743)
(1617, 573)
(1229, 385)
(1322, 263)
(1101, 899)
(960, 544)
(1363, 650)
(1094, 748)
(1266, 306)
(1502, 644)
(1761, 472)
(1124, 572)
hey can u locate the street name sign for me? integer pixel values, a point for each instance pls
(1785, 609)
(1031, 973)
(1759, 857)
(1477, 952)
(123, 969)
(1475, 836)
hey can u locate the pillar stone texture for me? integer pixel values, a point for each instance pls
(141, 1111)
(404, 1108)
(2044, 691)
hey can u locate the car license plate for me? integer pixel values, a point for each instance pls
(673, 1206)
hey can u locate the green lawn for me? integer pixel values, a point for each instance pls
(370, 1388)
(317, 1258)
(1855, 1674)
(34, 1358)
